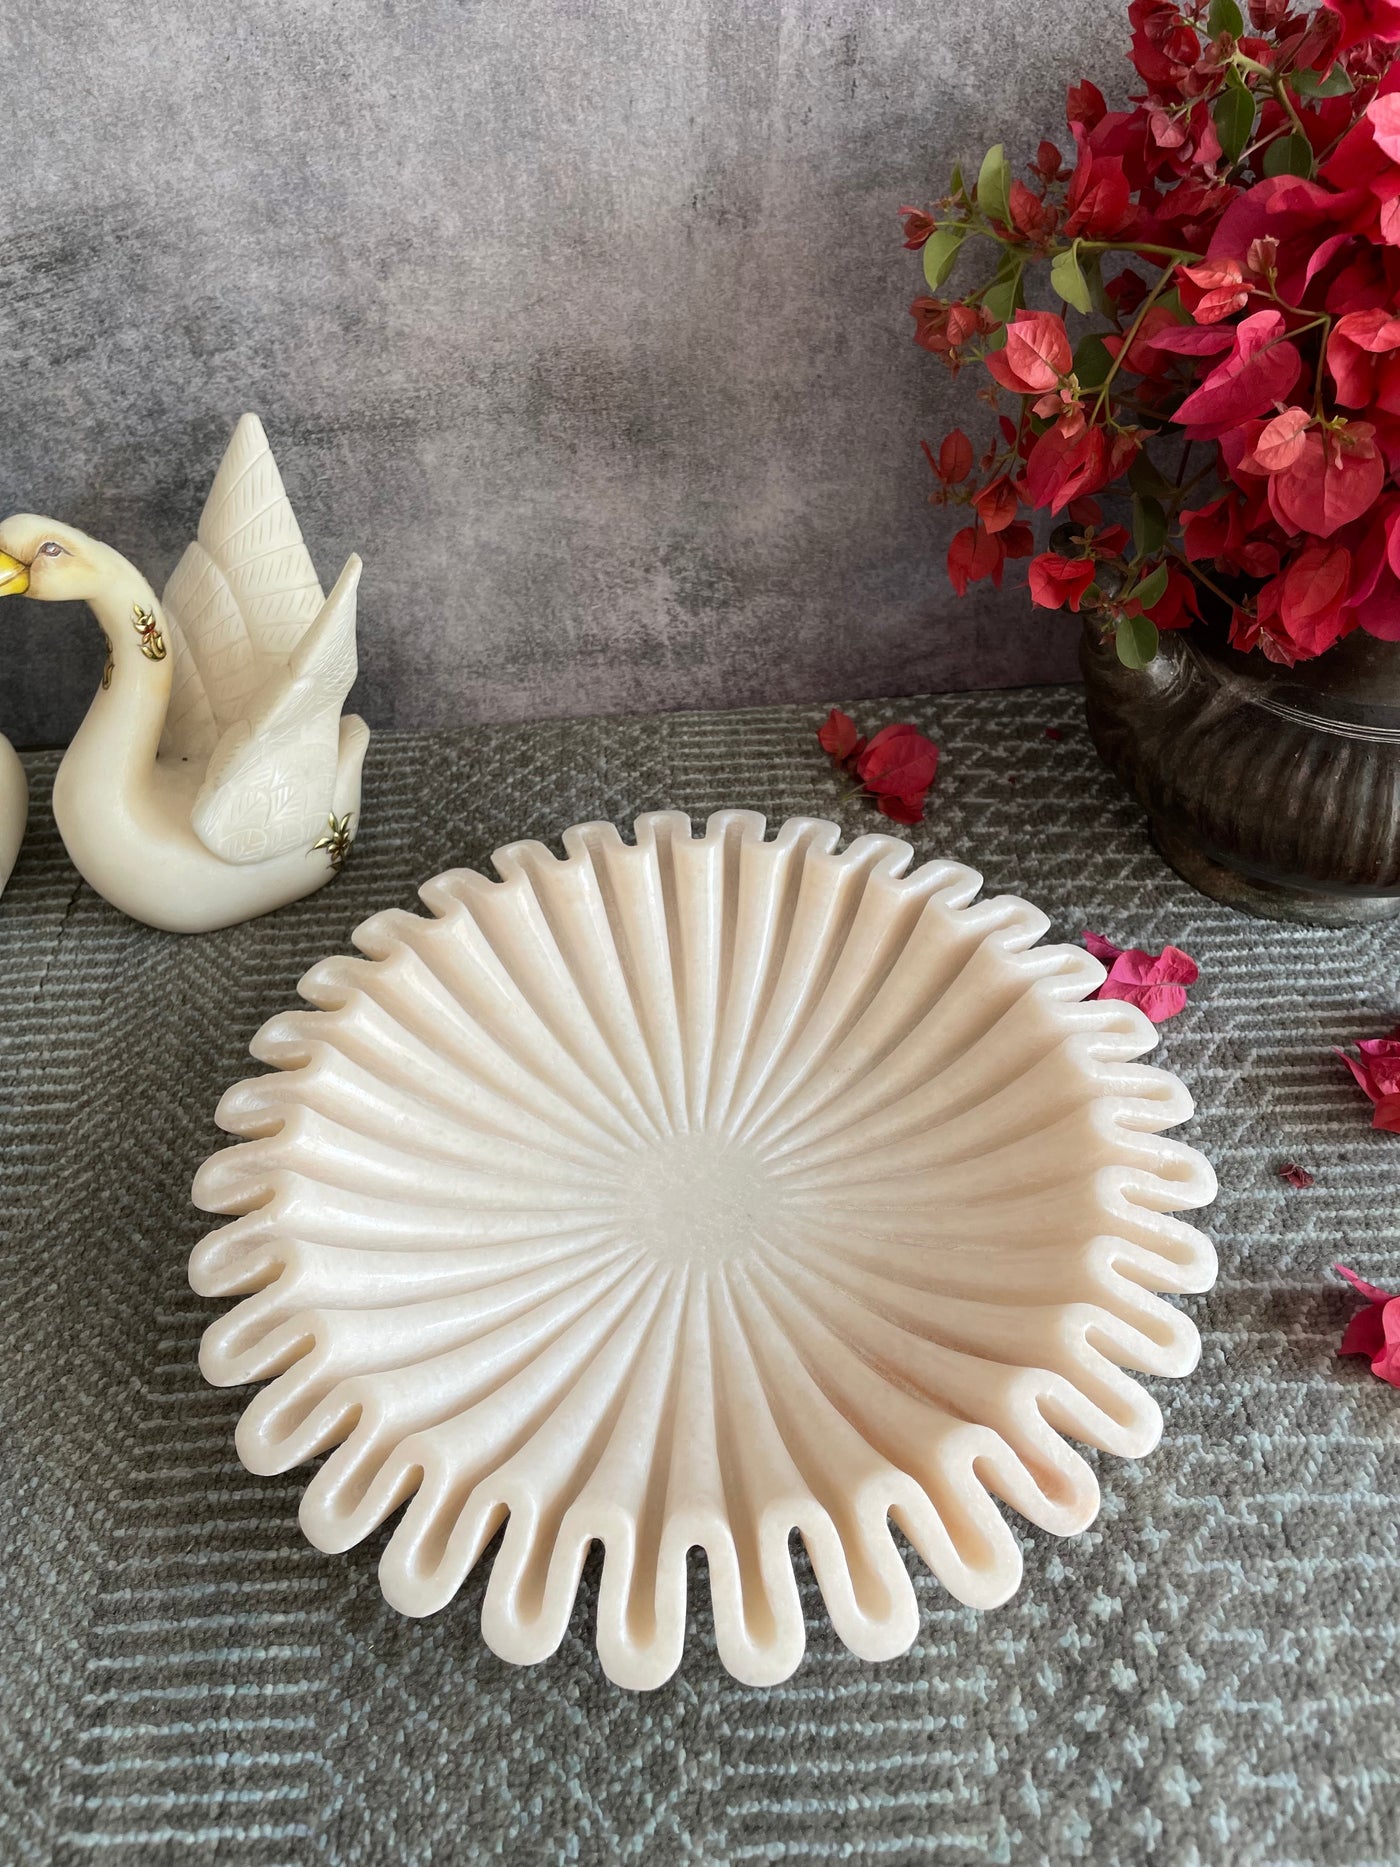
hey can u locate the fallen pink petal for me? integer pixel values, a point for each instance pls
(1155, 982)
(1375, 1330)
(1376, 1069)
(1296, 1176)
(1101, 948)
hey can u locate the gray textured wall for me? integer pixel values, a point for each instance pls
(585, 324)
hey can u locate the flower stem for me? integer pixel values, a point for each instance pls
(1141, 247)
(1194, 570)
(1280, 91)
(1153, 295)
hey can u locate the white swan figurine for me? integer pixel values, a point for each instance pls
(14, 803)
(213, 778)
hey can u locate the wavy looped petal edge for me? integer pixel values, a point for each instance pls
(686, 1193)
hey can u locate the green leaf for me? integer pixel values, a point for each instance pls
(1225, 16)
(1092, 269)
(1148, 480)
(1092, 361)
(1149, 528)
(957, 184)
(1289, 155)
(994, 185)
(1000, 296)
(1234, 116)
(1135, 638)
(1152, 589)
(1309, 83)
(941, 249)
(1067, 278)
(1171, 301)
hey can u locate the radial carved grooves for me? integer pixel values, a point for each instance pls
(685, 1193)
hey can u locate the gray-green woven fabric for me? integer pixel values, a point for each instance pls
(1210, 1674)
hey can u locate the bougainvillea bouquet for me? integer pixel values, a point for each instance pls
(1233, 241)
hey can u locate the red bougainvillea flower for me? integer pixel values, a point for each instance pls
(1057, 582)
(1214, 289)
(1155, 983)
(1378, 1074)
(1126, 291)
(1177, 607)
(1187, 340)
(1363, 359)
(1363, 169)
(1036, 355)
(1304, 609)
(1031, 216)
(996, 505)
(976, 553)
(1325, 477)
(1297, 1177)
(1367, 19)
(917, 227)
(1261, 369)
(1280, 442)
(1164, 47)
(1085, 104)
(1374, 1331)
(953, 462)
(1232, 238)
(838, 738)
(1100, 200)
(943, 328)
(1063, 467)
(1375, 579)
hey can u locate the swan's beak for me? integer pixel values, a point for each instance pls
(14, 575)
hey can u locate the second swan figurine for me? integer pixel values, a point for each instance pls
(213, 778)
(14, 807)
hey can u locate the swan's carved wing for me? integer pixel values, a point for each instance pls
(240, 599)
(271, 777)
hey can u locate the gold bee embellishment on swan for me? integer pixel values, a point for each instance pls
(146, 626)
(337, 840)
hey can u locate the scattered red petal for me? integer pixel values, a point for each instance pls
(837, 736)
(896, 765)
(1377, 1072)
(1155, 983)
(898, 762)
(1374, 1331)
(902, 809)
(1100, 948)
(1054, 732)
(1296, 1176)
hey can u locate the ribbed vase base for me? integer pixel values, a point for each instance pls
(1268, 900)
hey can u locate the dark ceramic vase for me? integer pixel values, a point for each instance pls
(1276, 790)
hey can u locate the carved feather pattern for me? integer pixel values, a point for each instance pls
(271, 777)
(262, 663)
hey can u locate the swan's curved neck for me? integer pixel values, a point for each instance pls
(123, 725)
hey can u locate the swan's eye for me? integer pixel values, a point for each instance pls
(51, 550)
